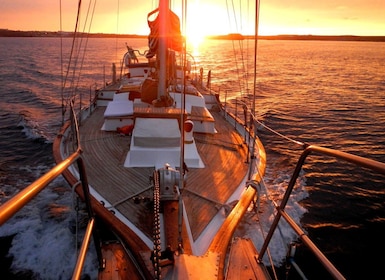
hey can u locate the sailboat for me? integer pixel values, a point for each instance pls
(167, 173)
(165, 166)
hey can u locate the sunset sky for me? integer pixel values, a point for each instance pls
(326, 17)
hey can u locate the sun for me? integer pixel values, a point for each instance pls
(204, 19)
(196, 31)
(194, 37)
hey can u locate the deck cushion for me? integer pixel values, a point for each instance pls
(155, 132)
(119, 109)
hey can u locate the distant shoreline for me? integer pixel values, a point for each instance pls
(16, 33)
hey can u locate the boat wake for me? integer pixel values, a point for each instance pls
(45, 236)
(258, 219)
(41, 129)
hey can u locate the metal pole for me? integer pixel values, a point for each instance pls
(162, 49)
(12, 206)
(87, 199)
(83, 250)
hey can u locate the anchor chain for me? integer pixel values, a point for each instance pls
(156, 254)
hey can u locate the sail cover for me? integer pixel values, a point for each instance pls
(173, 35)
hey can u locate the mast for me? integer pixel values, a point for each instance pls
(162, 50)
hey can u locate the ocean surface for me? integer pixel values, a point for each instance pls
(325, 93)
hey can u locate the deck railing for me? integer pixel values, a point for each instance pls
(309, 149)
(242, 126)
(16, 203)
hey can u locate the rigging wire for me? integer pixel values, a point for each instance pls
(61, 61)
(253, 115)
(233, 44)
(280, 134)
(257, 8)
(86, 42)
(70, 59)
(241, 53)
(260, 187)
(182, 151)
(244, 87)
(257, 186)
(77, 53)
(117, 30)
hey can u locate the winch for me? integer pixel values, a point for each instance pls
(168, 183)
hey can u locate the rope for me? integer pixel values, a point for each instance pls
(279, 134)
(270, 129)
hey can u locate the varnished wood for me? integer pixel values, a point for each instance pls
(170, 212)
(223, 154)
(129, 190)
(117, 264)
(243, 261)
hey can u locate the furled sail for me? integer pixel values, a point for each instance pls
(173, 35)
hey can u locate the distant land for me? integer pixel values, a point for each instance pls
(234, 36)
(303, 37)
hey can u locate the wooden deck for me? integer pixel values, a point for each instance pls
(117, 264)
(207, 189)
(242, 262)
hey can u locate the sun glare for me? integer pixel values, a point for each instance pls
(195, 30)
(194, 37)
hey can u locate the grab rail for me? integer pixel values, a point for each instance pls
(83, 250)
(359, 161)
(12, 206)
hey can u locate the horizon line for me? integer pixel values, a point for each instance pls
(206, 36)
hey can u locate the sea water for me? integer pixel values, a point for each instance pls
(326, 93)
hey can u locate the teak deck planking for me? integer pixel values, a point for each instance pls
(206, 189)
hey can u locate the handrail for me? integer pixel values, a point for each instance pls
(12, 206)
(359, 161)
(83, 250)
